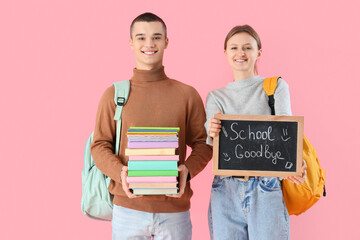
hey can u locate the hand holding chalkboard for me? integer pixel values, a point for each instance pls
(214, 126)
(258, 146)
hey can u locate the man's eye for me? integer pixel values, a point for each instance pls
(157, 38)
(141, 38)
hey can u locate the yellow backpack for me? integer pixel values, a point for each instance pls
(299, 198)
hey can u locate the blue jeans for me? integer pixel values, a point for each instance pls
(137, 225)
(252, 210)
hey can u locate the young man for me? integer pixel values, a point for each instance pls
(154, 101)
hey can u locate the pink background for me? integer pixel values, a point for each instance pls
(58, 56)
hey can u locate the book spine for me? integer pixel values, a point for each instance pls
(170, 128)
(154, 158)
(151, 179)
(152, 165)
(149, 151)
(152, 185)
(145, 173)
(152, 139)
(153, 144)
(151, 131)
(147, 191)
(147, 134)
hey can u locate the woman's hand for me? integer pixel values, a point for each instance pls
(214, 126)
(296, 179)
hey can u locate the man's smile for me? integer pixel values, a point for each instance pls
(149, 52)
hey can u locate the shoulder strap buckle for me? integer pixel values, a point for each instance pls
(122, 89)
(120, 101)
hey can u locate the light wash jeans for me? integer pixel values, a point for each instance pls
(252, 210)
(137, 225)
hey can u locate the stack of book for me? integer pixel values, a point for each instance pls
(152, 165)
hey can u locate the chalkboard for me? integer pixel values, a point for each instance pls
(257, 145)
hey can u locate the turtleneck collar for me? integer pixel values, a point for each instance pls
(244, 83)
(149, 75)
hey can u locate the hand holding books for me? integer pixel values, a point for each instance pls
(183, 172)
(125, 184)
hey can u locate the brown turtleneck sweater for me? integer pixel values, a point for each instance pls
(154, 101)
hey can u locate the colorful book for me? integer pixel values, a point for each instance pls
(152, 165)
(152, 138)
(154, 158)
(154, 173)
(154, 191)
(154, 133)
(171, 128)
(149, 151)
(151, 179)
(153, 130)
(148, 131)
(152, 185)
(157, 144)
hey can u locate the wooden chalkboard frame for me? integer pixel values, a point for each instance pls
(233, 172)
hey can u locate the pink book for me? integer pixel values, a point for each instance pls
(151, 179)
(154, 158)
(153, 144)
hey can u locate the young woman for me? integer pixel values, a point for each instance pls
(246, 208)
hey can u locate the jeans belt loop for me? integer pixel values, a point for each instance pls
(242, 178)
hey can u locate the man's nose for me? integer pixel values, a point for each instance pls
(150, 43)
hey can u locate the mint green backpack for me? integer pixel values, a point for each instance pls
(96, 200)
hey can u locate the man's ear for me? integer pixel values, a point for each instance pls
(131, 44)
(166, 42)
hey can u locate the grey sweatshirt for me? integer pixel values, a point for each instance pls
(247, 97)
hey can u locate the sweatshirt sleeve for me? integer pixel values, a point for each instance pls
(211, 109)
(196, 135)
(102, 147)
(282, 99)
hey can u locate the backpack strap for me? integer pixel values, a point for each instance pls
(269, 87)
(122, 89)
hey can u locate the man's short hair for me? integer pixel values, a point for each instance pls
(147, 17)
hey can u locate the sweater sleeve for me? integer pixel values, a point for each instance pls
(282, 99)
(102, 147)
(211, 109)
(196, 135)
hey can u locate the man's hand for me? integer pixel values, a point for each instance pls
(183, 172)
(125, 185)
(214, 126)
(296, 179)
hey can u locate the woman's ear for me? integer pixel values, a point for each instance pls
(259, 53)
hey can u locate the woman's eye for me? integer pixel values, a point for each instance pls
(233, 48)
